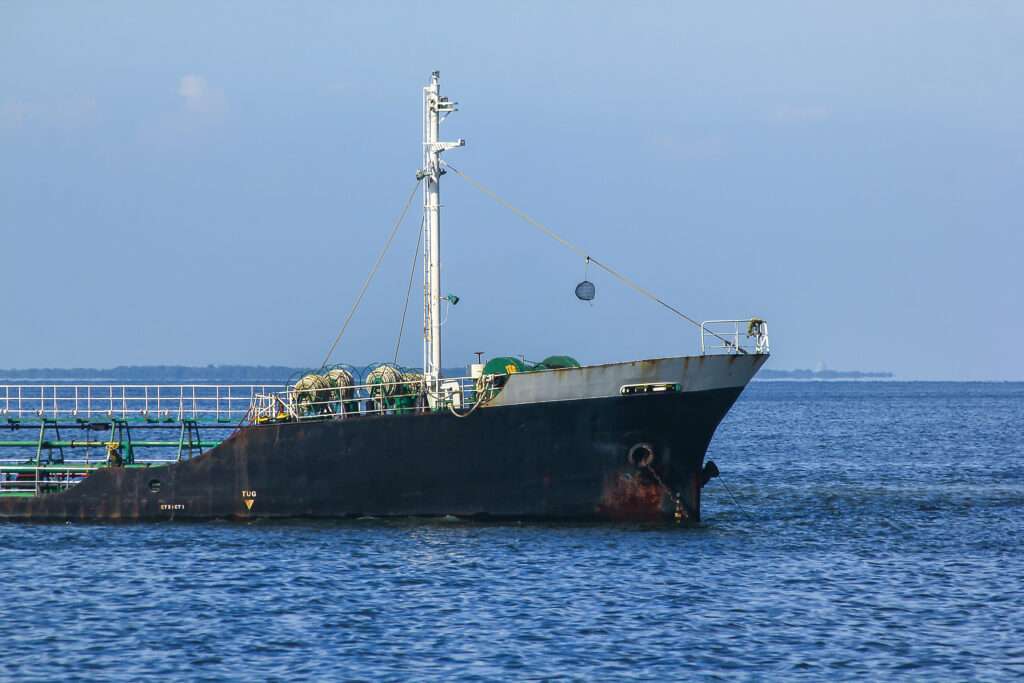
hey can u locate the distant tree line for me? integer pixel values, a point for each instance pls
(159, 373)
(173, 374)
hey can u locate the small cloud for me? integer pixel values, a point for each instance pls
(803, 114)
(199, 96)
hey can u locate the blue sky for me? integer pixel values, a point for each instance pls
(202, 183)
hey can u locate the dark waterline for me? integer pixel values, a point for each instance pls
(878, 533)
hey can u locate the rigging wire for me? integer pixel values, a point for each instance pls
(373, 272)
(408, 290)
(579, 250)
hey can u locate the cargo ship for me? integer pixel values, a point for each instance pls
(510, 440)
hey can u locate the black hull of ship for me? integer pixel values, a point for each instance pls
(562, 460)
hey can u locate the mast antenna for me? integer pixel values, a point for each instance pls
(435, 110)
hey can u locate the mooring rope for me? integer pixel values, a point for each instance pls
(373, 272)
(729, 489)
(580, 250)
(484, 395)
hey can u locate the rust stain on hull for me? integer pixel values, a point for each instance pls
(631, 496)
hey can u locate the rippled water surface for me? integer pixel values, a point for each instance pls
(876, 529)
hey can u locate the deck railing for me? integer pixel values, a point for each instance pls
(221, 403)
(362, 400)
(734, 336)
(149, 402)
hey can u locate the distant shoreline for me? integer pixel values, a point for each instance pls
(250, 374)
(821, 374)
(281, 374)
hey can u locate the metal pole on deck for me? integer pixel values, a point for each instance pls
(435, 109)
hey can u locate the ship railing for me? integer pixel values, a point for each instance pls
(734, 336)
(147, 402)
(362, 400)
(32, 478)
(26, 477)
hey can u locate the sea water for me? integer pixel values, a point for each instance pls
(858, 530)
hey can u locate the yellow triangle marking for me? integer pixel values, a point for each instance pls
(249, 502)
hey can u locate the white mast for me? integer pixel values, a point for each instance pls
(435, 109)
